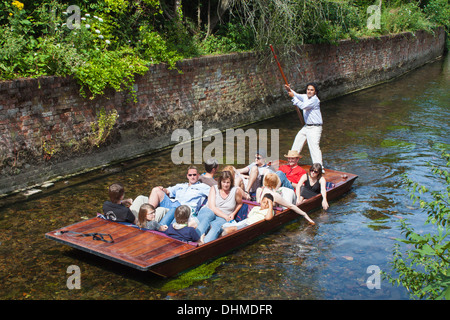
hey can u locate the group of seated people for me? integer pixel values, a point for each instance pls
(204, 208)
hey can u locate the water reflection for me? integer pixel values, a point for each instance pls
(379, 133)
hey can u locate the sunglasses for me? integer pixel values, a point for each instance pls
(315, 171)
(192, 174)
(258, 158)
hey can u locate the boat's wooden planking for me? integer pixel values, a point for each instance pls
(137, 248)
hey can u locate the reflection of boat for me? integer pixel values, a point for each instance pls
(153, 251)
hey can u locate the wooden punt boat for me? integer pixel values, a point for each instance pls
(155, 252)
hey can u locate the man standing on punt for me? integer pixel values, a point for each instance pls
(311, 132)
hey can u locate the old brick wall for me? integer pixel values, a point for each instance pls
(43, 121)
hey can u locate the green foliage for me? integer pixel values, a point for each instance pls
(407, 17)
(336, 21)
(229, 38)
(153, 48)
(36, 40)
(42, 44)
(186, 279)
(101, 129)
(110, 69)
(425, 269)
(438, 12)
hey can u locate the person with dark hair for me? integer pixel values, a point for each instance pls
(211, 167)
(311, 184)
(224, 202)
(115, 209)
(311, 132)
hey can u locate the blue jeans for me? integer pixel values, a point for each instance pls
(205, 217)
(209, 220)
(169, 217)
(284, 181)
(215, 230)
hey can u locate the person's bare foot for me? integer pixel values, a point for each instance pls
(228, 230)
(202, 239)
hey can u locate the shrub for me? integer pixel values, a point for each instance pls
(407, 17)
(101, 128)
(36, 40)
(425, 268)
(153, 48)
(438, 12)
(115, 69)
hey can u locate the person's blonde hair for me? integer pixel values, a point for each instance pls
(231, 169)
(142, 216)
(271, 180)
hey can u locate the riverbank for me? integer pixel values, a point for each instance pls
(46, 126)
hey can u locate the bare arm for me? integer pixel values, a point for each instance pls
(299, 185)
(239, 195)
(269, 214)
(212, 202)
(281, 201)
(323, 191)
(243, 170)
(217, 211)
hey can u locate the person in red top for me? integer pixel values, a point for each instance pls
(291, 173)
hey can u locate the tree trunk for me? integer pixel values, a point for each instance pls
(214, 19)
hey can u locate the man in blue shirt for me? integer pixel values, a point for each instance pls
(192, 193)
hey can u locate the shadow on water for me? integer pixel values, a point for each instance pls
(380, 134)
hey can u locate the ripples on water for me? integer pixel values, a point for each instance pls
(379, 133)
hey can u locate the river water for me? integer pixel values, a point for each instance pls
(379, 134)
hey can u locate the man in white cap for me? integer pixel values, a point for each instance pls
(291, 172)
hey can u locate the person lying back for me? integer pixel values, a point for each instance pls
(258, 213)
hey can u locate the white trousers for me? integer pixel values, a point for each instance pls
(310, 134)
